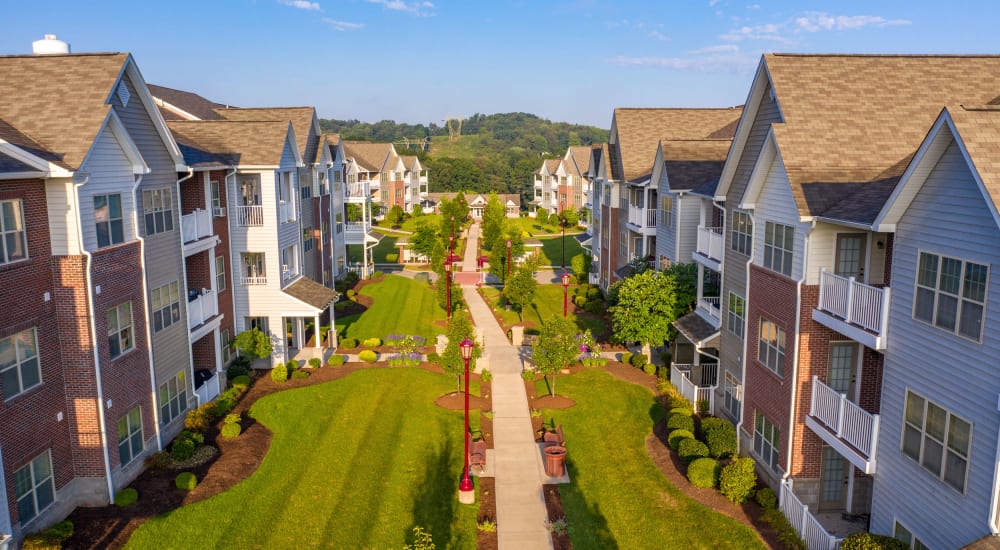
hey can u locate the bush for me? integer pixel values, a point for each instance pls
(676, 436)
(766, 498)
(868, 541)
(433, 357)
(242, 382)
(348, 343)
(720, 437)
(712, 422)
(199, 419)
(227, 401)
(293, 365)
(184, 445)
(315, 362)
(528, 375)
(638, 360)
(627, 357)
(279, 373)
(738, 479)
(352, 294)
(680, 422)
(486, 376)
(335, 360)
(239, 367)
(233, 418)
(158, 461)
(682, 410)
(126, 497)
(299, 374)
(704, 472)
(51, 538)
(231, 431)
(186, 481)
(690, 450)
(372, 342)
(649, 368)
(368, 356)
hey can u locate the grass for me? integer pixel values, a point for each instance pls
(548, 302)
(354, 463)
(401, 306)
(411, 223)
(552, 252)
(618, 498)
(533, 226)
(385, 252)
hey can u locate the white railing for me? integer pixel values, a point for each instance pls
(357, 227)
(363, 271)
(209, 389)
(640, 216)
(844, 418)
(711, 306)
(710, 242)
(855, 302)
(650, 217)
(805, 524)
(357, 190)
(196, 225)
(680, 377)
(202, 308)
(285, 212)
(250, 215)
(252, 281)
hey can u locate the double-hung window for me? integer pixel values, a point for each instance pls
(165, 302)
(771, 347)
(34, 487)
(667, 211)
(900, 532)
(951, 294)
(766, 437)
(937, 439)
(735, 314)
(120, 338)
(220, 273)
(308, 242)
(732, 391)
(227, 346)
(173, 398)
(158, 210)
(742, 233)
(778, 243)
(130, 441)
(19, 368)
(217, 209)
(108, 220)
(13, 241)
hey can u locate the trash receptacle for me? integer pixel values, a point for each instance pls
(555, 461)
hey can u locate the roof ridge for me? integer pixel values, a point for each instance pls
(53, 55)
(886, 55)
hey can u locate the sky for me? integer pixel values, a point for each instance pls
(422, 61)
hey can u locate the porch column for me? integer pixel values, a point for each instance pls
(217, 338)
(319, 343)
(850, 490)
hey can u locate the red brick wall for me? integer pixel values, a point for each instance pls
(199, 274)
(221, 228)
(203, 352)
(871, 380)
(888, 257)
(193, 192)
(814, 359)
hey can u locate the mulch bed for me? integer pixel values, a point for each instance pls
(487, 511)
(553, 506)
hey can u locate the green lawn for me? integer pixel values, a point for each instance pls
(411, 224)
(552, 252)
(354, 463)
(401, 306)
(618, 498)
(548, 302)
(385, 252)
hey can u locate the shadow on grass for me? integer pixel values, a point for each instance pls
(587, 526)
(437, 497)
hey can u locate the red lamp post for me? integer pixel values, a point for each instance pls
(466, 492)
(565, 283)
(562, 222)
(447, 277)
(508, 261)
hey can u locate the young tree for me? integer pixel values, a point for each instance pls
(395, 216)
(581, 267)
(494, 219)
(542, 215)
(424, 240)
(253, 344)
(461, 207)
(556, 347)
(520, 288)
(647, 305)
(571, 217)
(685, 290)
(459, 329)
(498, 252)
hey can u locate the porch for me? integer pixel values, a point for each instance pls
(821, 531)
(709, 247)
(843, 425)
(696, 382)
(854, 309)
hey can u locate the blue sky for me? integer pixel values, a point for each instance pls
(420, 61)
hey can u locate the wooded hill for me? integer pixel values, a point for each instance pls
(494, 152)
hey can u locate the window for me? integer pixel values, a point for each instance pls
(306, 191)
(778, 242)
(172, 396)
(340, 223)
(158, 210)
(622, 245)
(19, 369)
(384, 195)
(902, 533)
(289, 262)
(737, 310)
(765, 441)
(259, 323)
(165, 304)
(336, 176)
(937, 439)
(742, 241)
(227, 346)
(34, 487)
(108, 219)
(13, 242)
(771, 348)
(308, 242)
(322, 183)
(120, 329)
(352, 178)
(220, 273)
(130, 442)
(667, 211)
(217, 209)
(951, 294)
(325, 232)
(732, 391)
(253, 268)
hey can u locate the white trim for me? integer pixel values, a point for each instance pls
(945, 446)
(761, 169)
(761, 80)
(44, 167)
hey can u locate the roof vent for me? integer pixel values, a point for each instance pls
(49, 45)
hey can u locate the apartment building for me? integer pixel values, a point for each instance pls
(565, 183)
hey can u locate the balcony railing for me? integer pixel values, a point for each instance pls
(196, 225)
(804, 523)
(642, 217)
(208, 390)
(710, 242)
(247, 216)
(202, 308)
(710, 305)
(357, 190)
(680, 376)
(847, 420)
(285, 212)
(253, 280)
(857, 303)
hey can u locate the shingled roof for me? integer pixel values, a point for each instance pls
(310, 292)
(640, 130)
(188, 102)
(300, 117)
(230, 143)
(979, 128)
(370, 156)
(851, 123)
(691, 163)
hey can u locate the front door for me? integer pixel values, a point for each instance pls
(843, 373)
(850, 261)
(833, 481)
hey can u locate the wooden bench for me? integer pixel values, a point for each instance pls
(555, 438)
(477, 455)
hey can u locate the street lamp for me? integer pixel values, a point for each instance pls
(447, 277)
(466, 492)
(562, 222)
(508, 262)
(565, 283)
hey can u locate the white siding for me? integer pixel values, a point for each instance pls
(62, 214)
(688, 214)
(948, 216)
(110, 173)
(776, 204)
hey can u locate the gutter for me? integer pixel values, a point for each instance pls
(795, 358)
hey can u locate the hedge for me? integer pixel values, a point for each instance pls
(704, 472)
(676, 436)
(186, 481)
(868, 541)
(683, 410)
(720, 436)
(335, 360)
(738, 479)
(680, 422)
(690, 450)
(766, 498)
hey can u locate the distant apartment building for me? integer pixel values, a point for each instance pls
(565, 183)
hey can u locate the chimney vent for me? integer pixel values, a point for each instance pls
(49, 45)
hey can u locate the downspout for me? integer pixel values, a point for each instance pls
(746, 339)
(152, 375)
(994, 512)
(233, 264)
(102, 424)
(798, 332)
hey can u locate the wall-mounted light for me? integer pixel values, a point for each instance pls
(880, 245)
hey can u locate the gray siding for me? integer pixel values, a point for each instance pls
(688, 213)
(666, 235)
(948, 216)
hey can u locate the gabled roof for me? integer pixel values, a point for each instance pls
(409, 161)
(691, 163)
(230, 143)
(370, 156)
(189, 102)
(851, 123)
(582, 156)
(311, 293)
(302, 119)
(640, 130)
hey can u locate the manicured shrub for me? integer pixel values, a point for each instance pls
(293, 365)
(710, 422)
(649, 368)
(233, 418)
(766, 498)
(680, 422)
(242, 381)
(335, 360)
(868, 541)
(299, 374)
(676, 436)
(486, 376)
(580, 301)
(239, 367)
(231, 431)
(638, 360)
(690, 450)
(352, 294)
(720, 438)
(527, 375)
(433, 357)
(315, 362)
(184, 444)
(372, 342)
(627, 357)
(279, 373)
(680, 410)
(738, 479)
(368, 356)
(225, 402)
(126, 497)
(348, 343)
(158, 461)
(704, 472)
(49, 539)
(199, 419)
(186, 481)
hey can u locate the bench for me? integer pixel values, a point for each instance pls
(477, 455)
(555, 438)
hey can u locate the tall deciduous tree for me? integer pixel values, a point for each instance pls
(424, 240)
(494, 217)
(498, 252)
(459, 329)
(520, 288)
(647, 305)
(556, 347)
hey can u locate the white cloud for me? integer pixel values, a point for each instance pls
(343, 25)
(659, 36)
(819, 21)
(712, 3)
(721, 48)
(302, 4)
(417, 8)
(753, 7)
(730, 62)
(770, 32)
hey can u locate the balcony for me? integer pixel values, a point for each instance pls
(642, 218)
(853, 309)
(709, 248)
(201, 308)
(843, 425)
(708, 308)
(250, 216)
(197, 232)
(682, 376)
(253, 280)
(804, 522)
(357, 192)
(357, 232)
(208, 390)
(286, 212)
